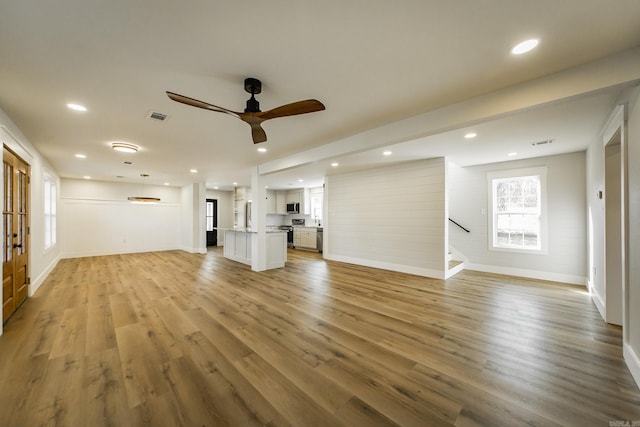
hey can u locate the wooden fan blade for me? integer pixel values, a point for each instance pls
(200, 104)
(293, 109)
(257, 133)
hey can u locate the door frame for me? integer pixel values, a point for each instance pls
(615, 133)
(8, 140)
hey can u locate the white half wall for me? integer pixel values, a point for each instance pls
(97, 219)
(566, 259)
(391, 217)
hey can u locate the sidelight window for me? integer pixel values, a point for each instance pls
(50, 195)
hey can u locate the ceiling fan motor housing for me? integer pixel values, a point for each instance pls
(253, 86)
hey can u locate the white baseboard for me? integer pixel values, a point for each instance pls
(38, 281)
(455, 270)
(633, 362)
(598, 301)
(418, 271)
(85, 254)
(531, 274)
(194, 250)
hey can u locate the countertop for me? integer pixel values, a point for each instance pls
(248, 230)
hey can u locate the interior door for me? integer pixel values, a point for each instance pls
(212, 222)
(15, 262)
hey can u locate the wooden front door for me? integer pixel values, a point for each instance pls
(15, 216)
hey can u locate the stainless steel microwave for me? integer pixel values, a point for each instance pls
(293, 208)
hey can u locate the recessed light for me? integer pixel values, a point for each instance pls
(387, 153)
(215, 188)
(194, 171)
(235, 183)
(124, 147)
(471, 135)
(524, 47)
(513, 153)
(335, 164)
(166, 183)
(81, 156)
(262, 150)
(301, 180)
(76, 107)
(86, 177)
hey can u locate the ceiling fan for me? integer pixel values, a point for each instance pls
(252, 114)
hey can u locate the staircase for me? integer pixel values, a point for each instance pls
(454, 266)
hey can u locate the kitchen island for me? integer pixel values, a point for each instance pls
(238, 243)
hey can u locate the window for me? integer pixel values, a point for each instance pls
(518, 214)
(316, 198)
(49, 211)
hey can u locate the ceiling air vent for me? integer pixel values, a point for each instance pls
(546, 141)
(154, 115)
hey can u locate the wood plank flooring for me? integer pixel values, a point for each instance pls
(178, 339)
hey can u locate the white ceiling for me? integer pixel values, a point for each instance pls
(372, 63)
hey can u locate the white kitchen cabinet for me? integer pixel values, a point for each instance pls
(294, 196)
(272, 197)
(299, 195)
(305, 237)
(281, 202)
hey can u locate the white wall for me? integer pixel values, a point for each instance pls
(225, 210)
(632, 325)
(391, 217)
(566, 258)
(192, 218)
(97, 218)
(41, 261)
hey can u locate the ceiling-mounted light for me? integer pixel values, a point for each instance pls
(124, 147)
(524, 47)
(387, 153)
(77, 107)
(262, 150)
(143, 199)
(470, 135)
(335, 164)
(81, 156)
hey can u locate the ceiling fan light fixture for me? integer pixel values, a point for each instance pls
(124, 147)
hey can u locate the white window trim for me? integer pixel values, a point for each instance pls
(512, 173)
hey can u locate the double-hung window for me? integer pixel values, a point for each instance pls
(517, 220)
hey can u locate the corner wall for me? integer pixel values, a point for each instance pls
(565, 260)
(391, 217)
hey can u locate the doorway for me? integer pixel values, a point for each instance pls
(15, 236)
(613, 244)
(212, 222)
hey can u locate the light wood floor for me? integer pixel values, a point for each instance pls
(172, 339)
